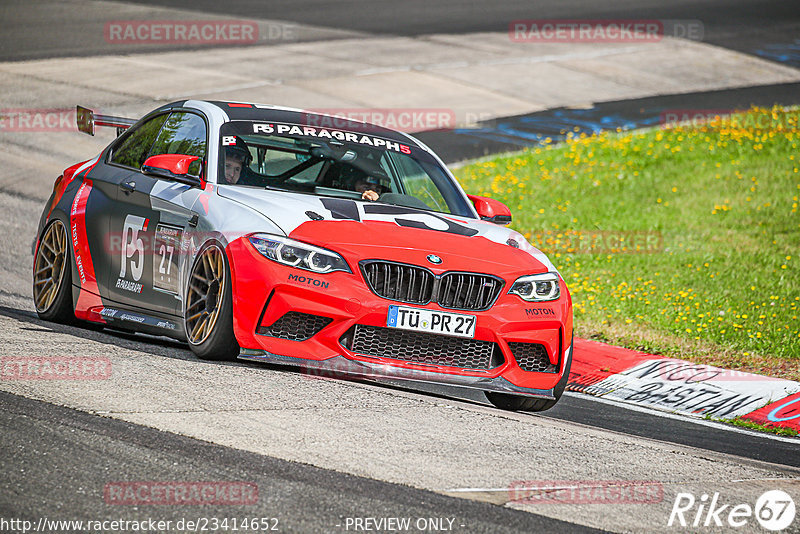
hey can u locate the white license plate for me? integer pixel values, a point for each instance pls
(435, 322)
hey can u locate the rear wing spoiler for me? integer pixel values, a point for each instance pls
(87, 120)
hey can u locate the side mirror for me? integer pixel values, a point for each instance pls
(172, 167)
(491, 210)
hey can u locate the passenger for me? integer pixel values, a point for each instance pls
(237, 157)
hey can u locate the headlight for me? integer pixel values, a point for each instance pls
(537, 287)
(296, 254)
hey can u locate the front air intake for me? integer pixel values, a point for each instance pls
(532, 357)
(295, 326)
(417, 285)
(422, 347)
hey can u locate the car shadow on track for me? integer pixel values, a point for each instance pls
(155, 345)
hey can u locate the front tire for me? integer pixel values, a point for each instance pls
(52, 276)
(518, 403)
(506, 401)
(208, 312)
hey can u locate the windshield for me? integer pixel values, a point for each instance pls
(327, 162)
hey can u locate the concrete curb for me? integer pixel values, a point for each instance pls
(682, 387)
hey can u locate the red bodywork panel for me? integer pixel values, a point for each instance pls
(174, 163)
(489, 208)
(88, 302)
(63, 181)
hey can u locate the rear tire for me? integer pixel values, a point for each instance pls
(208, 311)
(514, 403)
(52, 276)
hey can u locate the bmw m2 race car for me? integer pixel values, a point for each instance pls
(274, 234)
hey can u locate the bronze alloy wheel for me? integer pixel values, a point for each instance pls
(48, 269)
(204, 298)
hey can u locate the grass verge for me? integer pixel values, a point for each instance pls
(681, 241)
(751, 425)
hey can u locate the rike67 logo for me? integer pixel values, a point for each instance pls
(774, 510)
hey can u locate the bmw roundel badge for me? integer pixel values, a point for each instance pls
(434, 259)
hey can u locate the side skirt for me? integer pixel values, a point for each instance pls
(136, 321)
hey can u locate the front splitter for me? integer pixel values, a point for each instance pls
(341, 367)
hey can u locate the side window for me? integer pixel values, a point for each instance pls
(417, 183)
(275, 162)
(134, 148)
(182, 133)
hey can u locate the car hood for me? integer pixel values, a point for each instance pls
(372, 230)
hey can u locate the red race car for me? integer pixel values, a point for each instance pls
(265, 233)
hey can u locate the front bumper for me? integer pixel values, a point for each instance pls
(341, 367)
(264, 292)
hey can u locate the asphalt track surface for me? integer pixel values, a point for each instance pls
(741, 25)
(302, 498)
(577, 408)
(42, 28)
(514, 133)
(83, 451)
(587, 411)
